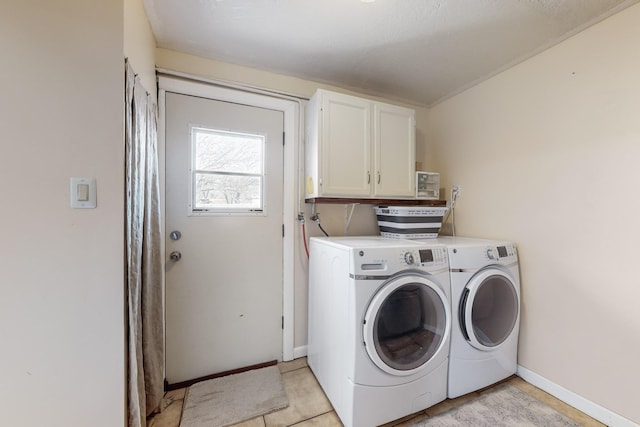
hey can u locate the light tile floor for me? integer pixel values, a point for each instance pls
(309, 407)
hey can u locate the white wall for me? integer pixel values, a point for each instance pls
(140, 44)
(547, 155)
(61, 286)
(332, 216)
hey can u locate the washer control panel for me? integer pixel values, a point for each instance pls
(409, 258)
(396, 259)
(424, 258)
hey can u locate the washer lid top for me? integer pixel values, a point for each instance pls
(357, 242)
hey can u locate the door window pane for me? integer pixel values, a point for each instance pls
(227, 171)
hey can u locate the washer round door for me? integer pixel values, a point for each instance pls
(406, 324)
(489, 309)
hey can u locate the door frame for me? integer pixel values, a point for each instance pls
(291, 111)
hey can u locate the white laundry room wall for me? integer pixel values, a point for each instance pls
(140, 44)
(61, 285)
(546, 154)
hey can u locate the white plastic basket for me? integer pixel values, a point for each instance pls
(410, 222)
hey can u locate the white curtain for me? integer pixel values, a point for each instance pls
(144, 265)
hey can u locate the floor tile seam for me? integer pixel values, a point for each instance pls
(310, 418)
(172, 401)
(151, 420)
(297, 370)
(184, 399)
(412, 418)
(467, 398)
(294, 370)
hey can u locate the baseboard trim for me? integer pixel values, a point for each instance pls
(299, 352)
(590, 408)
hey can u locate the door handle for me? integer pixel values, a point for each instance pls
(175, 256)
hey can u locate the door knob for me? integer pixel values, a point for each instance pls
(175, 255)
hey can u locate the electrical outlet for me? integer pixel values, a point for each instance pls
(456, 190)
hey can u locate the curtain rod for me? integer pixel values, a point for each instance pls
(228, 84)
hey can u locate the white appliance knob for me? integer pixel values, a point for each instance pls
(490, 254)
(408, 258)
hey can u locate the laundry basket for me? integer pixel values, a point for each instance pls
(410, 222)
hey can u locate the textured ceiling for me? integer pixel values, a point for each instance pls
(419, 51)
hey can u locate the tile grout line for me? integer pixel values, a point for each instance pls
(296, 369)
(307, 419)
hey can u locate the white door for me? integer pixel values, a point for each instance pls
(224, 185)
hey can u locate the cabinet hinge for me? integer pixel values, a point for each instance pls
(283, 138)
(282, 230)
(282, 326)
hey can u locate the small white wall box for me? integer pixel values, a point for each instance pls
(428, 185)
(83, 193)
(410, 222)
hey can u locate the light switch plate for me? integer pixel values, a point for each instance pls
(83, 193)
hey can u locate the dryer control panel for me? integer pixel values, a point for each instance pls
(500, 252)
(465, 256)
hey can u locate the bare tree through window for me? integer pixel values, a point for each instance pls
(227, 171)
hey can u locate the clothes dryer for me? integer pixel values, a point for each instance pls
(379, 326)
(485, 295)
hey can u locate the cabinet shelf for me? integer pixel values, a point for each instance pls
(383, 202)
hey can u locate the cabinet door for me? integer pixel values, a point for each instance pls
(395, 153)
(345, 146)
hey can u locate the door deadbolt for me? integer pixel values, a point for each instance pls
(175, 235)
(175, 255)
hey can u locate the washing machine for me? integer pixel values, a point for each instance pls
(485, 295)
(379, 326)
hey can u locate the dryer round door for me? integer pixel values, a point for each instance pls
(489, 309)
(406, 324)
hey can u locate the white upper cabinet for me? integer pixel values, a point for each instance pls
(358, 148)
(394, 153)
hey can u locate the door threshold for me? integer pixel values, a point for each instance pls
(187, 383)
